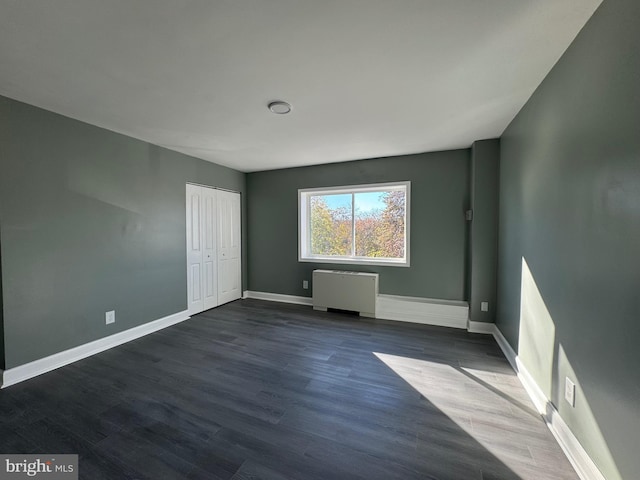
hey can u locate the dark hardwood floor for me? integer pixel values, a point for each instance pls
(259, 390)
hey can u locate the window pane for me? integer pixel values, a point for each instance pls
(368, 211)
(380, 218)
(331, 224)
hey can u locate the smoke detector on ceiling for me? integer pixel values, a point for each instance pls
(280, 107)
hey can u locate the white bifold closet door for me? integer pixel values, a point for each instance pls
(213, 248)
(229, 268)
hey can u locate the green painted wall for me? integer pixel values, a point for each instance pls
(569, 261)
(90, 221)
(2, 365)
(485, 179)
(439, 197)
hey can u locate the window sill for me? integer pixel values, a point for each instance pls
(349, 261)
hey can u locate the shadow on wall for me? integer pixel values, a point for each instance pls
(549, 364)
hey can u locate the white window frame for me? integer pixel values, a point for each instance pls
(304, 239)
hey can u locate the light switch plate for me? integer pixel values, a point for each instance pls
(110, 317)
(484, 306)
(570, 392)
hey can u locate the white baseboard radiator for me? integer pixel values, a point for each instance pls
(353, 291)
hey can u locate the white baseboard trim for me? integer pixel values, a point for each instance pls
(443, 313)
(57, 360)
(506, 348)
(278, 297)
(428, 311)
(575, 452)
(481, 327)
(577, 455)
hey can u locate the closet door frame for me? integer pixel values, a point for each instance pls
(199, 267)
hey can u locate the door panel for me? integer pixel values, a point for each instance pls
(195, 281)
(229, 266)
(195, 303)
(210, 280)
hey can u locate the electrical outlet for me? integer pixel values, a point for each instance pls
(570, 392)
(110, 317)
(305, 284)
(484, 306)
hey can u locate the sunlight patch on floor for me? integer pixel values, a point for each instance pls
(484, 404)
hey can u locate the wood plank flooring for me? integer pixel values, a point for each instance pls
(260, 390)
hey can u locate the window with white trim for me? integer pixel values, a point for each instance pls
(361, 224)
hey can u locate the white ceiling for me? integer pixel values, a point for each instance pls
(366, 78)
